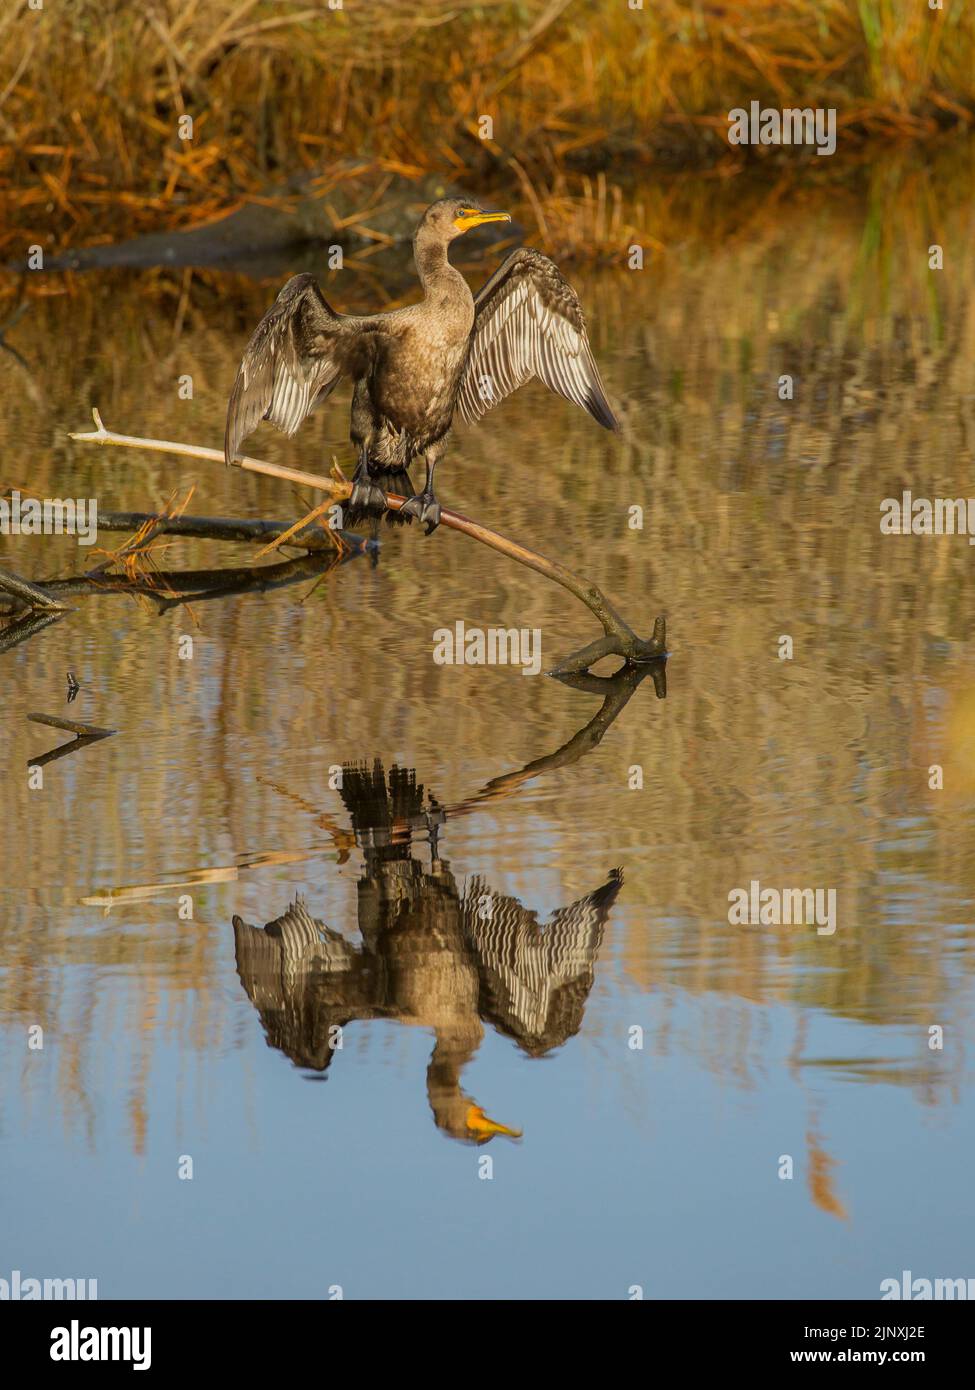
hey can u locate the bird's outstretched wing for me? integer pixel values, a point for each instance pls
(295, 358)
(534, 981)
(528, 322)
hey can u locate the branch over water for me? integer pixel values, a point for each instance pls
(619, 639)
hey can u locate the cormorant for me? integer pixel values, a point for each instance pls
(431, 956)
(413, 367)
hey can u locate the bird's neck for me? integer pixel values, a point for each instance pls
(432, 265)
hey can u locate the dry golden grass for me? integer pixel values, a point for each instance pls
(91, 92)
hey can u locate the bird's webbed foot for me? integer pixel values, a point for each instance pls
(398, 482)
(425, 507)
(366, 498)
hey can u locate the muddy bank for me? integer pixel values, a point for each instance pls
(351, 207)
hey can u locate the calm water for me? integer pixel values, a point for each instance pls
(169, 1037)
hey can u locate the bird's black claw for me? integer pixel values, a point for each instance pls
(425, 507)
(367, 499)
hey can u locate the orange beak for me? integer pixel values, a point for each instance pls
(473, 218)
(479, 1123)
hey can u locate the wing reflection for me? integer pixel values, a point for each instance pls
(431, 955)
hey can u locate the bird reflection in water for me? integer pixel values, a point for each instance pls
(432, 955)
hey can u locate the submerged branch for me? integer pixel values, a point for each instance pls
(615, 691)
(227, 529)
(73, 745)
(28, 594)
(28, 626)
(84, 735)
(170, 588)
(72, 726)
(619, 639)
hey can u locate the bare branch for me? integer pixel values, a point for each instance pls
(619, 640)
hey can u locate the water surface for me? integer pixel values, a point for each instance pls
(311, 762)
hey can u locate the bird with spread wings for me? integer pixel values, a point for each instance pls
(412, 368)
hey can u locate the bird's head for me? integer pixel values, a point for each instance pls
(452, 217)
(481, 1128)
(460, 1117)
